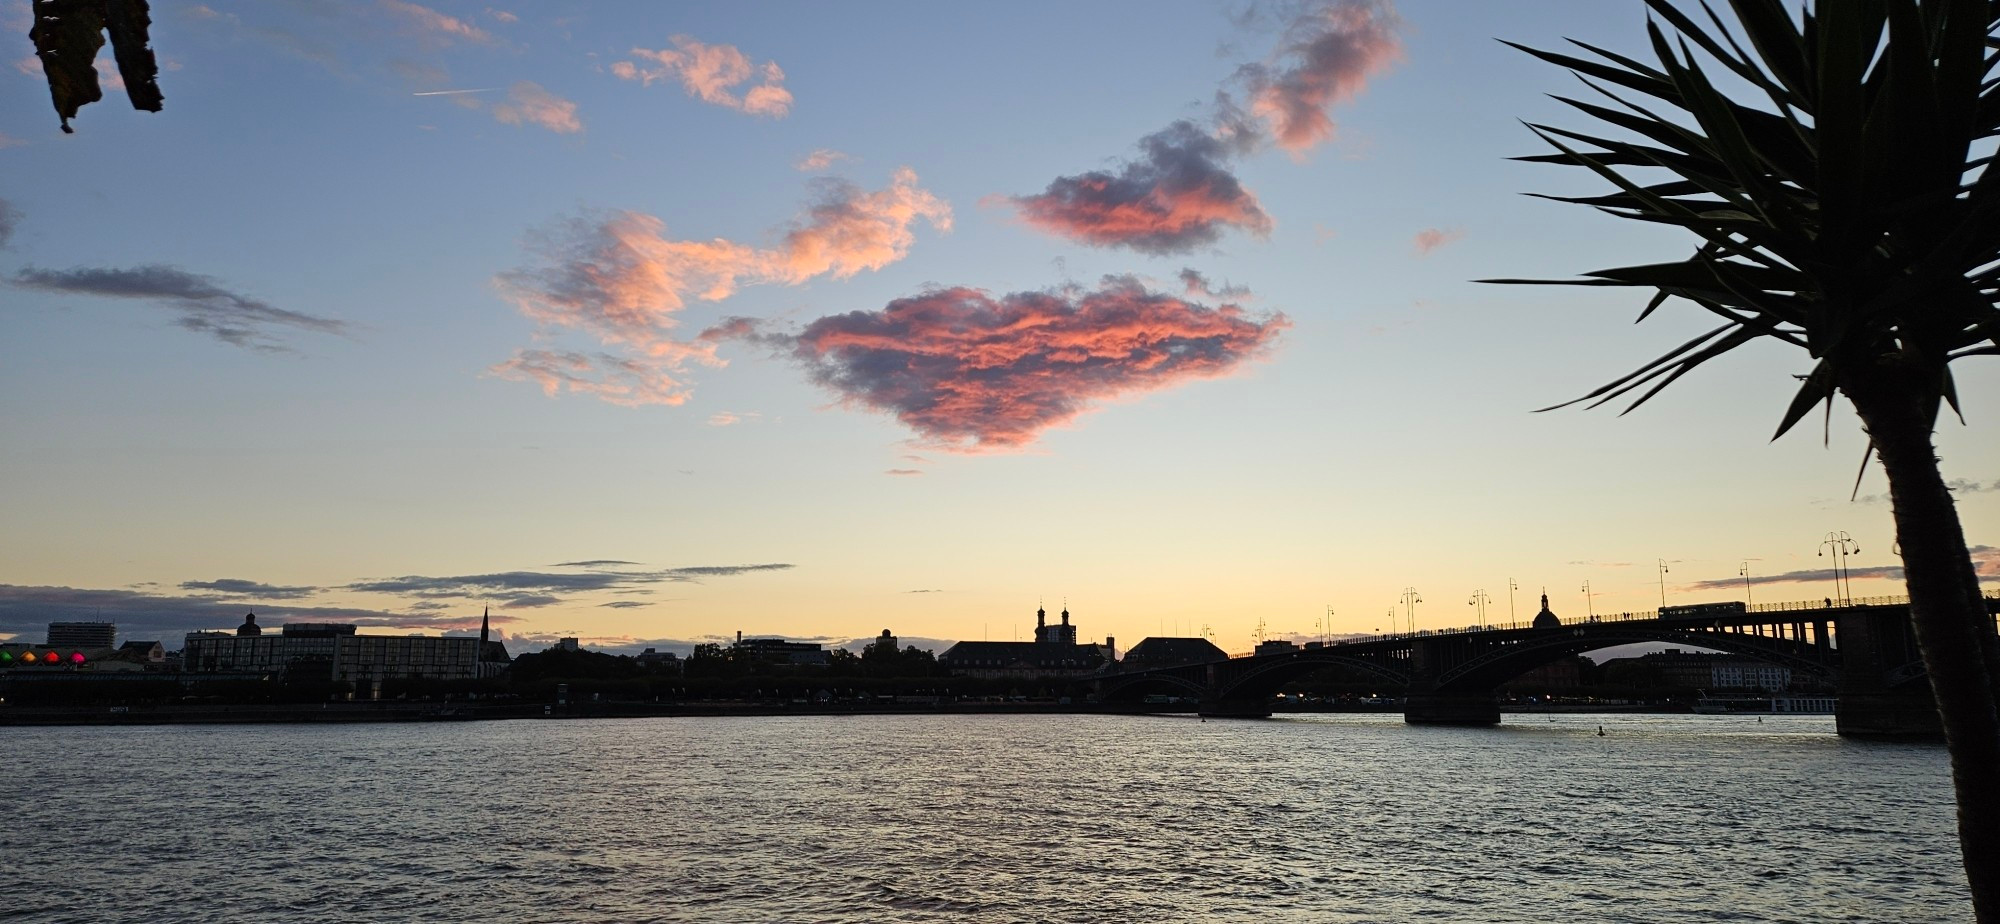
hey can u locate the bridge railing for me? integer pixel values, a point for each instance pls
(1798, 606)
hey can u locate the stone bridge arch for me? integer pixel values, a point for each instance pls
(1262, 678)
(1189, 681)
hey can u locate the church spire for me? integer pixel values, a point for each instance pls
(485, 627)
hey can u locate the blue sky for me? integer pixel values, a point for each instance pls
(1362, 425)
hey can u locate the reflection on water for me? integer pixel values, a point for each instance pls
(979, 818)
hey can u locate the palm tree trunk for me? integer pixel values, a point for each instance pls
(1954, 630)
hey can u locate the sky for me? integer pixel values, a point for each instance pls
(653, 323)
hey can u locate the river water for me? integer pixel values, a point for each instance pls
(1330, 818)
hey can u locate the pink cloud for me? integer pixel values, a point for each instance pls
(625, 381)
(819, 160)
(1329, 54)
(971, 373)
(502, 16)
(1430, 239)
(432, 23)
(528, 104)
(712, 73)
(621, 280)
(904, 472)
(1178, 196)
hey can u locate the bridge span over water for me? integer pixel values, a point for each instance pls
(1863, 647)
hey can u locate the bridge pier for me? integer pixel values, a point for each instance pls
(1235, 709)
(1451, 709)
(1892, 714)
(1873, 702)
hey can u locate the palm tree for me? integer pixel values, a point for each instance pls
(1841, 203)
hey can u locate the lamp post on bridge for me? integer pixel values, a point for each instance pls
(1410, 601)
(1663, 583)
(1745, 571)
(1480, 599)
(1511, 587)
(1588, 608)
(1841, 545)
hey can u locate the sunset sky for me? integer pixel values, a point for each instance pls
(649, 323)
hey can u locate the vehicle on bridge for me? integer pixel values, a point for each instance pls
(1703, 610)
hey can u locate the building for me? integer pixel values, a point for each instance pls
(1053, 654)
(659, 660)
(1276, 646)
(338, 653)
(780, 651)
(1546, 619)
(149, 652)
(1697, 670)
(82, 634)
(1738, 674)
(1170, 652)
(1563, 674)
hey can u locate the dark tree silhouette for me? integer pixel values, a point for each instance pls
(1842, 203)
(67, 35)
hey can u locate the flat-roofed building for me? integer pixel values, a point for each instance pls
(82, 634)
(337, 652)
(781, 651)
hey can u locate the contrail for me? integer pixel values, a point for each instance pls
(454, 92)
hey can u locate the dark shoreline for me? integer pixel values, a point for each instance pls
(310, 713)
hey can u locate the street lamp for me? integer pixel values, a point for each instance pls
(1663, 583)
(1480, 599)
(1410, 601)
(1745, 571)
(1511, 587)
(1841, 545)
(1587, 607)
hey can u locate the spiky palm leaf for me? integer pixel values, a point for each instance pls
(1847, 211)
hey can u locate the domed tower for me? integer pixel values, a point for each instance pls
(249, 626)
(1546, 619)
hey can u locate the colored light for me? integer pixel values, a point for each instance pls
(78, 657)
(6, 656)
(28, 656)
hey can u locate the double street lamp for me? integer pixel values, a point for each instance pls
(1841, 545)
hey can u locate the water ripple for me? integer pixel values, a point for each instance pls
(977, 819)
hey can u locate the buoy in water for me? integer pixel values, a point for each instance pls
(1600, 731)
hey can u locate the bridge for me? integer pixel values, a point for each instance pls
(1864, 648)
